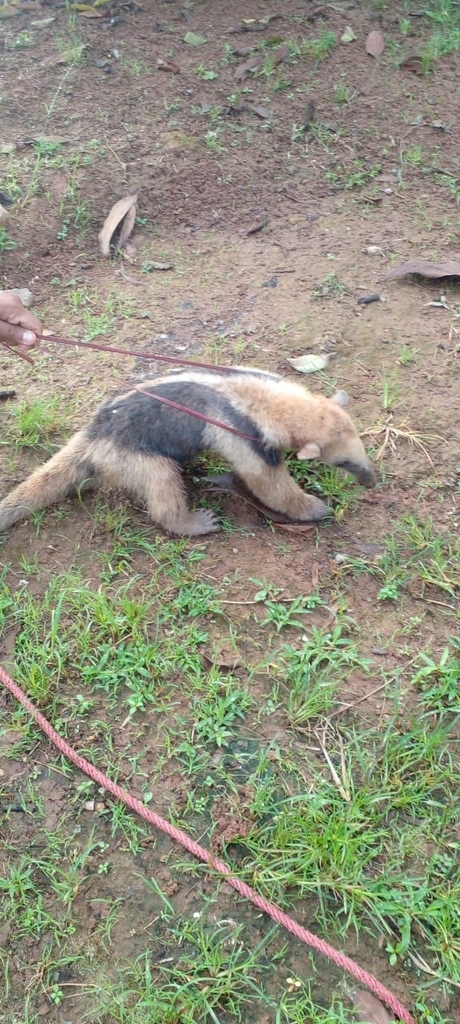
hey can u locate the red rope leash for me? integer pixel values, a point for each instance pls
(128, 352)
(205, 855)
(163, 359)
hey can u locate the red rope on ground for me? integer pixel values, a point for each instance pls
(127, 352)
(208, 857)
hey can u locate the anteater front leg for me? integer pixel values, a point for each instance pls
(164, 492)
(276, 489)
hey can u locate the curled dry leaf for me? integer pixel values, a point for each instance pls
(260, 111)
(280, 54)
(221, 656)
(167, 65)
(294, 527)
(451, 268)
(310, 363)
(122, 215)
(414, 63)
(244, 70)
(368, 1008)
(375, 44)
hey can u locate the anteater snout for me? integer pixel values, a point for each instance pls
(366, 477)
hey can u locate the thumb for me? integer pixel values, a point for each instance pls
(13, 335)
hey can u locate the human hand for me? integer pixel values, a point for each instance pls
(18, 327)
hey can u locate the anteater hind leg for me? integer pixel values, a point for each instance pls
(163, 489)
(276, 489)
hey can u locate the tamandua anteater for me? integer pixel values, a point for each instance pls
(134, 442)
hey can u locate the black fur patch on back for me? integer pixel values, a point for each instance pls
(138, 423)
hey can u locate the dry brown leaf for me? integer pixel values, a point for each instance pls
(244, 70)
(221, 656)
(368, 1008)
(280, 54)
(413, 62)
(375, 44)
(124, 208)
(3, 215)
(294, 527)
(167, 65)
(260, 111)
(242, 51)
(451, 268)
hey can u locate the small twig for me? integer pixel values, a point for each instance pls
(342, 784)
(391, 435)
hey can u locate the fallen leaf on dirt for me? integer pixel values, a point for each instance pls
(242, 51)
(193, 39)
(451, 268)
(3, 215)
(375, 44)
(309, 115)
(368, 1008)
(315, 12)
(243, 70)
(348, 35)
(258, 227)
(294, 527)
(160, 266)
(8, 12)
(222, 657)
(123, 211)
(413, 62)
(261, 112)
(309, 363)
(167, 65)
(252, 25)
(42, 22)
(280, 54)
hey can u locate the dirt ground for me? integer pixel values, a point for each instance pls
(277, 197)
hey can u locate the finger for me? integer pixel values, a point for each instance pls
(13, 335)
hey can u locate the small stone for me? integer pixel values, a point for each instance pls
(340, 559)
(25, 295)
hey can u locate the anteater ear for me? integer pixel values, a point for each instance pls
(340, 398)
(309, 451)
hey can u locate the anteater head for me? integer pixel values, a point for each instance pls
(337, 442)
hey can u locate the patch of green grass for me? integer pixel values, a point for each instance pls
(320, 47)
(313, 673)
(417, 557)
(122, 654)
(39, 423)
(6, 243)
(330, 286)
(355, 175)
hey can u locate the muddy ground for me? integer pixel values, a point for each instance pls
(278, 198)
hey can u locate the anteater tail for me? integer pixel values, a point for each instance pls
(65, 472)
